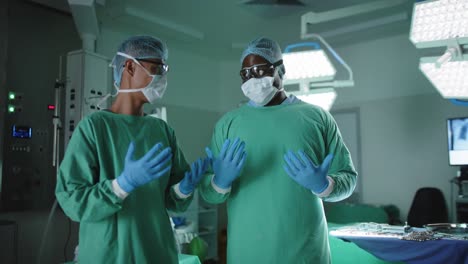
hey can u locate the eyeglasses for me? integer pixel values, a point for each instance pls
(156, 68)
(259, 70)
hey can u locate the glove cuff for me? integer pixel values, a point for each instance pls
(219, 189)
(180, 194)
(118, 190)
(185, 187)
(222, 186)
(125, 184)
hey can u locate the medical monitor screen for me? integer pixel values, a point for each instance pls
(457, 129)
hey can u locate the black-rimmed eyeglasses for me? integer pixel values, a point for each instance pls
(259, 70)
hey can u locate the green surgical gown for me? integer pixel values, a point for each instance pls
(136, 229)
(271, 218)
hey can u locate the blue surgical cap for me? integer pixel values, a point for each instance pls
(139, 47)
(266, 48)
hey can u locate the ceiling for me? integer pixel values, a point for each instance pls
(218, 27)
(222, 25)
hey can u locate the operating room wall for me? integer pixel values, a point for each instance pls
(193, 128)
(403, 122)
(404, 148)
(37, 36)
(232, 95)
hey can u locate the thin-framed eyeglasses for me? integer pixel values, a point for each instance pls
(157, 68)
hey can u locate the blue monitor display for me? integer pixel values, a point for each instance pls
(21, 132)
(457, 131)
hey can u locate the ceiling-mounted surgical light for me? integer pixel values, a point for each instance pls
(449, 78)
(320, 97)
(436, 22)
(443, 23)
(313, 65)
(307, 65)
(312, 70)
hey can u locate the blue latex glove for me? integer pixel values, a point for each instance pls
(301, 169)
(152, 165)
(229, 163)
(193, 177)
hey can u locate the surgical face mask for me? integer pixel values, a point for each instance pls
(154, 90)
(260, 90)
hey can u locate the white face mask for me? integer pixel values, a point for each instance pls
(260, 90)
(154, 90)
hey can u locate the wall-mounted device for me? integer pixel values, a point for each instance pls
(87, 82)
(21, 131)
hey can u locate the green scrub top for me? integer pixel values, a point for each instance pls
(136, 229)
(271, 218)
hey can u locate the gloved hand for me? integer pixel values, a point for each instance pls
(301, 169)
(152, 165)
(193, 177)
(229, 163)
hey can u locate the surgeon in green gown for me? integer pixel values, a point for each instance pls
(275, 160)
(123, 170)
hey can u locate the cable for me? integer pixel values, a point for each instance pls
(46, 230)
(56, 153)
(68, 240)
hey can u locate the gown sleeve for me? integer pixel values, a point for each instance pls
(208, 191)
(174, 202)
(79, 192)
(342, 170)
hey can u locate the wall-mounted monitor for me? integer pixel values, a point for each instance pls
(457, 131)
